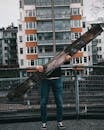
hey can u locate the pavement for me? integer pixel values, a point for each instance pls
(71, 124)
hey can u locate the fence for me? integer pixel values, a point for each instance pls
(82, 95)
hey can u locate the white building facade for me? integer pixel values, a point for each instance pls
(46, 27)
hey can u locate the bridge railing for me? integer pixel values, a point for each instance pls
(82, 95)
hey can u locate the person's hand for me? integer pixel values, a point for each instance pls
(40, 68)
(67, 58)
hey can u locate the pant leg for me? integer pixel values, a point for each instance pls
(57, 89)
(44, 99)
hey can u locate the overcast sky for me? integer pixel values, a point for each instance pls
(9, 11)
(93, 9)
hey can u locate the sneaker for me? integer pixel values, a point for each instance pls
(60, 126)
(44, 126)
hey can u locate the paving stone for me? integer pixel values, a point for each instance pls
(83, 124)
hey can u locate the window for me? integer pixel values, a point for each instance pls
(99, 56)
(31, 50)
(45, 36)
(62, 36)
(44, 25)
(88, 48)
(32, 62)
(0, 45)
(75, 11)
(83, 24)
(99, 40)
(14, 35)
(75, 23)
(31, 37)
(5, 33)
(73, 60)
(30, 25)
(44, 12)
(77, 60)
(61, 11)
(21, 62)
(21, 50)
(85, 59)
(6, 48)
(20, 15)
(40, 49)
(20, 27)
(80, 59)
(62, 24)
(59, 48)
(49, 49)
(99, 48)
(6, 54)
(85, 48)
(6, 40)
(89, 58)
(20, 4)
(40, 61)
(6, 61)
(20, 38)
(75, 35)
(30, 13)
(75, 1)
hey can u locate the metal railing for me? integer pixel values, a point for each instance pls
(82, 95)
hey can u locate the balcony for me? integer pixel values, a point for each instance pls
(50, 54)
(58, 42)
(49, 3)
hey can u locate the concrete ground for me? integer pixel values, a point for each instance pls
(71, 124)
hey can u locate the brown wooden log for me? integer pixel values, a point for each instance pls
(57, 61)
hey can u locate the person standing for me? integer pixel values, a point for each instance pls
(53, 81)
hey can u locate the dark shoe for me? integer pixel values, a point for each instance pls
(44, 126)
(60, 126)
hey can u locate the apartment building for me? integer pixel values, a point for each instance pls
(97, 45)
(8, 46)
(46, 28)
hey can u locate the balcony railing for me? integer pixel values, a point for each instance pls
(50, 42)
(49, 3)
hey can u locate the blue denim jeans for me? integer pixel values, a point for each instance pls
(57, 87)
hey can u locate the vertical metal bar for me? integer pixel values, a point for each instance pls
(77, 94)
(53, 28)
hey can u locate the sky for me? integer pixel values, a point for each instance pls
(9, 11)
(93, 9)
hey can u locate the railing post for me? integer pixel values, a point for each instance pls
(77, 94)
